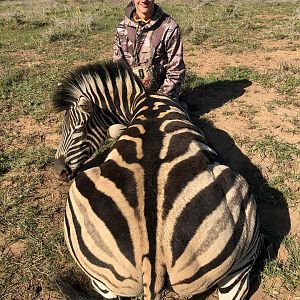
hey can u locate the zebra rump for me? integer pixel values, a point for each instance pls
(161, 211)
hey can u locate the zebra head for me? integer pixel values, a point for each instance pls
(94, 97)
(75, 146)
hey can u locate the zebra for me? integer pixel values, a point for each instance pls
(161, 212)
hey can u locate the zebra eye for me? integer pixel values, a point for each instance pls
(77, 130)
(85, 108)
(85, 105)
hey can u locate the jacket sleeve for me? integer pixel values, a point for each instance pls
(117, 49)
(175, 68)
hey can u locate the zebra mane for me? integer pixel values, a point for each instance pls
(63, 97)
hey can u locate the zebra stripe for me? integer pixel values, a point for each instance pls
(161, 211)
(86, 97)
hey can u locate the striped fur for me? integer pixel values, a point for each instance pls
(94, 97)
(160, 212)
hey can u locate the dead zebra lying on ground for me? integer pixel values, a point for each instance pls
(160, 212)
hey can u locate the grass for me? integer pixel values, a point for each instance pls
(238, 73)
(38, 46)
(288, 183)
(29, 217)
(234, 27)
(284, 80)
(193, 81)
(33, 158)
(40, 246)
(282, 174)
(23, 92)
(247, 111)
(9, 80)
(280, 152)
(286, 272)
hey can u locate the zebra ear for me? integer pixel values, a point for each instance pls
(85, 105)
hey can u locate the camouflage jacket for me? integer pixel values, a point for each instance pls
(156, 46)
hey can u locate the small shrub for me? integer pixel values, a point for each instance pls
(60, 36)
(237, 73)
(4, 163)
(9, 79)
(198, 35)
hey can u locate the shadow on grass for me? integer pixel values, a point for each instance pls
(74, 284)
(272, 206)
(209, 96)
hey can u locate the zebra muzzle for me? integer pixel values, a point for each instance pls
(61, 170)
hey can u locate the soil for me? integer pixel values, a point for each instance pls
(274, 56)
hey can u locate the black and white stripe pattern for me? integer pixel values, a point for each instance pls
(160, 212)
(94, 97)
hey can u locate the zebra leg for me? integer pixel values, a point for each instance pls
(103, 290)
(235, 285)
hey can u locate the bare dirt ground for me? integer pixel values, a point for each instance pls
(273, 56)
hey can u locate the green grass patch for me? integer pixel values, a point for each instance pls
(284, 83)
(4, 163)
(283, 80)
(42, 243)
(247, 111)
(288, 84)
(21, 188)
(287, 101)
(33, 158)
(27, 91)
(18, 20)
(193, 81)
(286, 274)
(234, 27)
(29, 215)
(288, 183)
(61, 35)
(281, 152)
(10, 79)
(198, 35)
(238, 73)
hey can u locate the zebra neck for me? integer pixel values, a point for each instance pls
(120, 104)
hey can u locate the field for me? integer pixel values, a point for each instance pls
(242, 88)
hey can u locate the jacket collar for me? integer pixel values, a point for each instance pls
(130, 10)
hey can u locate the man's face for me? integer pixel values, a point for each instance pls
(144, 8)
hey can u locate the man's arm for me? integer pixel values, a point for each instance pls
(117, 49)
(175, 68)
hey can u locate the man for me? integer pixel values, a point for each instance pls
(149, 40)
